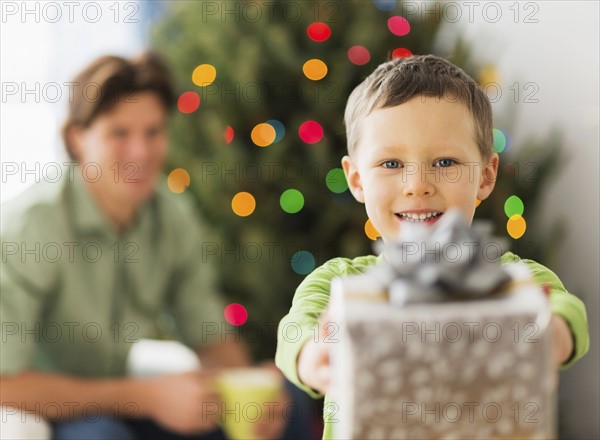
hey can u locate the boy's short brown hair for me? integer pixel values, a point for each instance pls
(397, 81)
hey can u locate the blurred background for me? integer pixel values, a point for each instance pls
(258, 135)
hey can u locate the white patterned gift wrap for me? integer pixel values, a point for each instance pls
(449, 370)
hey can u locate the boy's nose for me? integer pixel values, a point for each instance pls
(417, 186)
(417, 192)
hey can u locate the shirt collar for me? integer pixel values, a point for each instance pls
(87, 214)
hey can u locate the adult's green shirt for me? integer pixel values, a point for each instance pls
(75, 293)
(312, 297)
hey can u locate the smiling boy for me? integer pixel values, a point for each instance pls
(420, 142)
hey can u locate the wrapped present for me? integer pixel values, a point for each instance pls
(442, 342)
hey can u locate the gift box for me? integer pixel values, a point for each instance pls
(442, 346)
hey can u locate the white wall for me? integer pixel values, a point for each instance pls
(42, 47)
(560, 54)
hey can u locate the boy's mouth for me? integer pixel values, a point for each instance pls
(419, 216)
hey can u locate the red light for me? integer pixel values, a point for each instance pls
(318, 32)
(235, 314)
(310, 132)
(359, 55)
(401, 52)
(398, 25)
(229, 134)
(188, 102)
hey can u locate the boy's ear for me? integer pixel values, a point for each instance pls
(488, 177)
(353, 179)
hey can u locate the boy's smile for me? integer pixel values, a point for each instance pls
(416, 160)
(419, 216)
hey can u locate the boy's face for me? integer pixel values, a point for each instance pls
(418, 158)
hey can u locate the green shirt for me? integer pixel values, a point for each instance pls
(312, 297)
(75, 294)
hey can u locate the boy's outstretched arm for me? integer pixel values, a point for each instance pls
(569, 322)
(299, 333)
(563, 339)
(313, 360)
(301, 337)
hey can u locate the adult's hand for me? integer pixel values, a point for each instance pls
(185, 403)
(275, 418)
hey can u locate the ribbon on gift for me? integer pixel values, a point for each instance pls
(449, 260)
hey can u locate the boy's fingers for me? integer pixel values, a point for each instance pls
(324, 376)
(322, 353)
(326, 324)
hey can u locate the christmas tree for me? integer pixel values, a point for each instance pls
(259, 136)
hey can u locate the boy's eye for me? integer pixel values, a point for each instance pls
(446, 162)
(391, 164)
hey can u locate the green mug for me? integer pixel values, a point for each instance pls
(247, 396)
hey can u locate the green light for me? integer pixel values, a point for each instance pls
(336, 181)
(291, 201)
(513, 205)
(499, 141)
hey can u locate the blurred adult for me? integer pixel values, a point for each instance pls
(93, 260)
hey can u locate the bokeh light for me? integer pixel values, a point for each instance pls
(499, 141)
(359, 55)
(243, 204)
(263, 134)
(318, 32)
(279, 129)
(401, 52)
(229, 133)
(513, 206)
(291, 201)
(235, 314)
(303, 262)
(178, 180)
(188, 102)
(385, 5)
(398, 25)
(516, 226)
(336, 180)
(310, 132)
(370, 230)
(507, 144)
(204, 75)
(488, 75)
(314, 69)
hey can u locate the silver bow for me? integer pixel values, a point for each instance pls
(444, 261)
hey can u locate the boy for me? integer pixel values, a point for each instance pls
(419, 142)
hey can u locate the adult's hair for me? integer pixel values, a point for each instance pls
(399, 80)
(111, 79)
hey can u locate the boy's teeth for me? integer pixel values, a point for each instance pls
(419, 217)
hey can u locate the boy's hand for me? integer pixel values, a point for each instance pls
(313, 360)
(562, 339)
